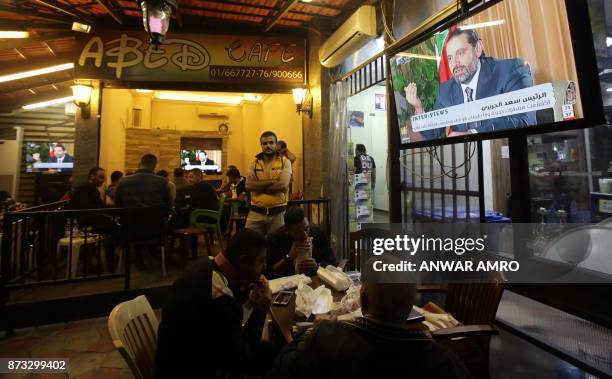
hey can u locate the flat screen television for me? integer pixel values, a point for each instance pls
(209, 161)
(509, 67)
(49, 157)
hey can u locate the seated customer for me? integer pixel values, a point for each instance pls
(109, 194)
(203, 195)
(233, 177)
(225, 186)
(87, 195)
(290, 240)
(179, 179)
(202, 328)
(164, 174)
(377, 345)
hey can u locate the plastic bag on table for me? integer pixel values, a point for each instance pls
(309, 301)
(335, 278)
(288, 282)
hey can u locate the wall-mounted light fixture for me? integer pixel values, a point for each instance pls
(82, 97)
(303, 102)
(156, 16)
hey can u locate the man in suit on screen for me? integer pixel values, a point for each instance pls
(475, 76)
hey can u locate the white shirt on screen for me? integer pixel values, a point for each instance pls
(473, 84)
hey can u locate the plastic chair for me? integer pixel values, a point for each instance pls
(133, 328)
(209, 219)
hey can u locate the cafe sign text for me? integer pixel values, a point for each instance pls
(128, 56)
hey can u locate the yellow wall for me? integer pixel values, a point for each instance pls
(116, 113)
(246, 123)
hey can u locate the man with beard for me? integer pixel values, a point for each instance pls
(268, 182)
(475, 76)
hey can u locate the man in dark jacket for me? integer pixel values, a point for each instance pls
(377, 345)
(144, 189)
(290, 240)
(202, 332)
(203, 195)
(87, 195)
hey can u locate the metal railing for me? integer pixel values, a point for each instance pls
(42, 245)
(48, 245)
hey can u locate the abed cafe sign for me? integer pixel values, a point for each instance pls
(128, 56)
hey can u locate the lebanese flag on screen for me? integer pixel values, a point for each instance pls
(51, 151)
(441, 39)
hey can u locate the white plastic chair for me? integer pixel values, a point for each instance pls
(133, 328)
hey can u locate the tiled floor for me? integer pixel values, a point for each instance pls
(92, 355)
(86, 343)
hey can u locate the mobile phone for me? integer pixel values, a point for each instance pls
(282, 298)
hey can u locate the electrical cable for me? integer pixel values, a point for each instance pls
(452, 173)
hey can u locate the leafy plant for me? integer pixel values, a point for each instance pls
(422, 72)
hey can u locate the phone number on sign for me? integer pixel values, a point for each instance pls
(8, 366)
(222, 72)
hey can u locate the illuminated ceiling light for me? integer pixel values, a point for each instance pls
(609, 89)
(40, 71)
(251, 97)
(144, 90)
(82, 28)
(49, 102)
(14, 34)
(306, 1)
(482, 25)
(419, 56)
(199, 98)
(608, 41)
(156, 16)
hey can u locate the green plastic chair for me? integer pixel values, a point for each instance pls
(209, 219)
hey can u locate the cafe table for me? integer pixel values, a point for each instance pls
(284, 317)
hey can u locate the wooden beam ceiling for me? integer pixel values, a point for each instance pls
(37, 84)
(61, 7)
(16, 44)
(115, 13)
(280, 14)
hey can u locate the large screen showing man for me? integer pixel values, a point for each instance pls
(475, 76)
(506, 68)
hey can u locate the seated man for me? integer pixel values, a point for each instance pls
(233, 177)
(203, 195)
(87, 196)
(287, 242)
(377, 345)
(202, 329)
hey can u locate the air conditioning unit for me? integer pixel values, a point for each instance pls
(352, 35)
(205, 112)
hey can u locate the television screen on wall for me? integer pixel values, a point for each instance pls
(49, 157)
(209, 161)
(510, 67)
